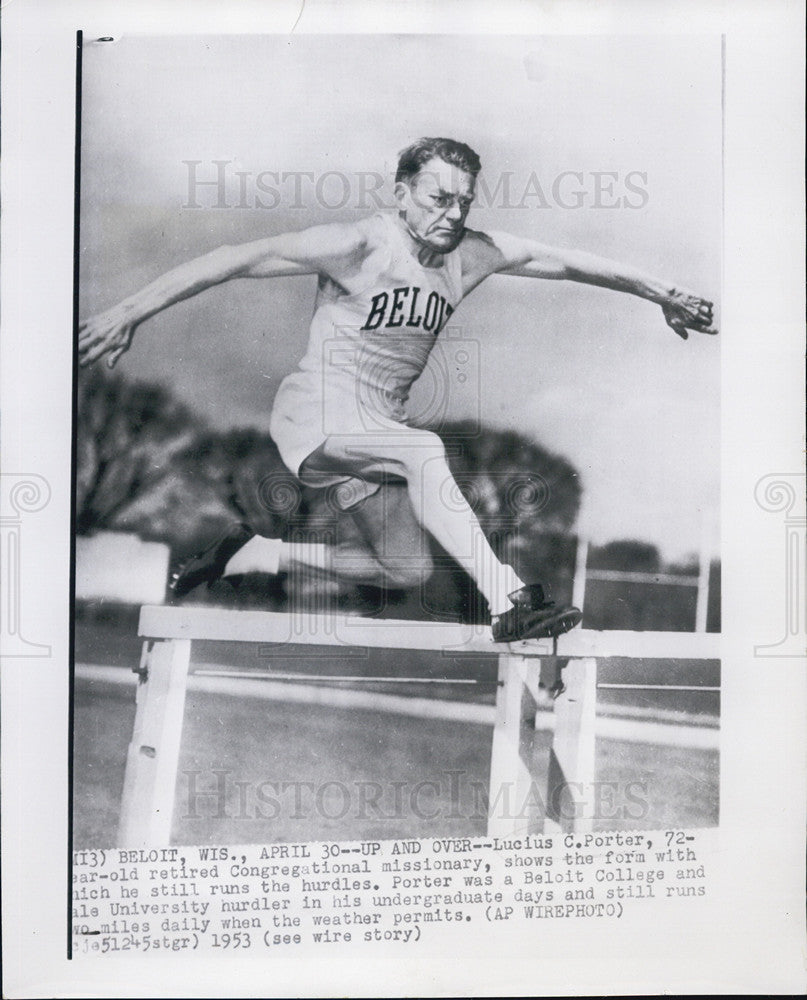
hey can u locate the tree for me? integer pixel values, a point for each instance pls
(626, 554)
(135, 468)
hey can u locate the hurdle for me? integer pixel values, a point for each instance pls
(527, 670)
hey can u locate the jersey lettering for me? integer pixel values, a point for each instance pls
(398, 296)
(389, 311)
(380, 302)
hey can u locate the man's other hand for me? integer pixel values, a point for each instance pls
(685, 311)
(109, 333)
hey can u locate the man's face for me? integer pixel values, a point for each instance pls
(435, 203)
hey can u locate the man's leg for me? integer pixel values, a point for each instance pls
(441, 509)
(392, 521)
(387, 526)
(391, 526)
(518, 611)
(378, 543)
(437, 505)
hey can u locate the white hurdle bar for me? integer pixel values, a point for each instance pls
(516, 806)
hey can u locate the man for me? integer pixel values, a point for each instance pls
(387, 284)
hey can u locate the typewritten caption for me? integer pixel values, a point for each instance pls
(282, 896)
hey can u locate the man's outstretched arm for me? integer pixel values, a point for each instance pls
(683, 310)
(330, 249)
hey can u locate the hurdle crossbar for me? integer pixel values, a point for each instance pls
(199, 623)
(275, 675)
(526, 670)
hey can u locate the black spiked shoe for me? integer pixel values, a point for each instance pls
(209, 565)
(533, 617)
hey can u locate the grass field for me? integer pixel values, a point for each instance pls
(257, 771)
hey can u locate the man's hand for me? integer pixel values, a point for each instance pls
(109, 333)
(685, 311)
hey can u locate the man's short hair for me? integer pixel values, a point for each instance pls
(411, 159)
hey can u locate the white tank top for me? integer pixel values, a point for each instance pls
(374, 343)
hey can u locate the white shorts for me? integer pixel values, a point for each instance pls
(336, 439)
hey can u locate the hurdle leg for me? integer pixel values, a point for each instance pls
(513, 806)
(570, 795)
(153, 756)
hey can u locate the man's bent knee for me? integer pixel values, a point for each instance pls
(414, 456)
(407, 575)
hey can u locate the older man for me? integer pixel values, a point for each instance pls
(387, 285)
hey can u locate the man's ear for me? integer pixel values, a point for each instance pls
(402, 195)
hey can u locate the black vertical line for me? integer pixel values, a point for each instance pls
(73, 470)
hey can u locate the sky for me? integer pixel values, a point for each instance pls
(610, 144)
